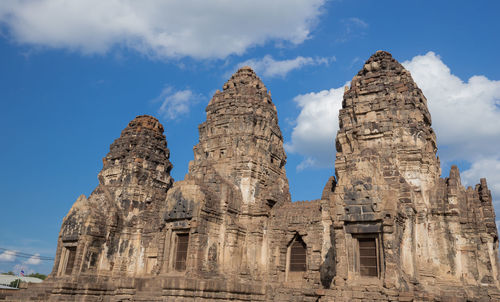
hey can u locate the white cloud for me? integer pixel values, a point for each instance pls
(465, 115)
(269, 67)
(164, 29)
(176, 103)
(317, 125)
(306, 163)
(34, 260)
(466, 118)
(8, 256)
(489, 168)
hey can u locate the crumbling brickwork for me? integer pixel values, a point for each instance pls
(387, 227)
(389, 190)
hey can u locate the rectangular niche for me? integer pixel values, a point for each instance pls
(150, 263)
(368, 257)
(181, 251)
(296, 260)
(365, 250)
(298, 255)
(70, 259)
(92, 257)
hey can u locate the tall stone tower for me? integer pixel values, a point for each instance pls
(394, 217)
(236, 178)
(387, 228)
(112, 231)
(242, 143)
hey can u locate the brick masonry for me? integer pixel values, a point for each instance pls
(432, 238)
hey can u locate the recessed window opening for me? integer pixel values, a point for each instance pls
(71, 252)
(368, 262)
(298, 256)
(92, 260)
(181, 252)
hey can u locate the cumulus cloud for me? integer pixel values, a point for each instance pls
(176, 103)
(316, 127)
(8, 256)
(269, 67)
(34, 260)
(306, 163)
(466, 117)
(489, 168)
(465, 114)
(157, 28)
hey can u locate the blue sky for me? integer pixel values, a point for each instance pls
(74, 73)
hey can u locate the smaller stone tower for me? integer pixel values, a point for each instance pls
(113, 231)
(387, 228)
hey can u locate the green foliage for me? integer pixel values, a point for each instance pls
(37, 275)
(15, 283)
(9, 273)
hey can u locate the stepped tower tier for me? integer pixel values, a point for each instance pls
(108, 233)
(387, 228)
(242, 142)
(384, 115)
(139, 157)
(234, 183)
(394, 218)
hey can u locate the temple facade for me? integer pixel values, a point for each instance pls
(388, 227)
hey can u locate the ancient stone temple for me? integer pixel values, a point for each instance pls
(387, 228)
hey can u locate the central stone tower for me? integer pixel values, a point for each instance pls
(242, 143)
(387, 228)
(235, 180)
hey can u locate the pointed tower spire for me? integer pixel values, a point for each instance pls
(139, 155)
(384, 111)
(242, 142)
(123, 211)
(244, 84)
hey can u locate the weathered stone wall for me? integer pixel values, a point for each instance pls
(115, 230)
(236, 178)
(430, 232)
(242, 142)
(301, 219)
(387, 227)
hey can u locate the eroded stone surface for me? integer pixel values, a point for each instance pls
(387, 227)
(115, 228)
(431, 232)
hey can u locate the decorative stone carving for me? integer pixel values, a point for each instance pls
(387, 227)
